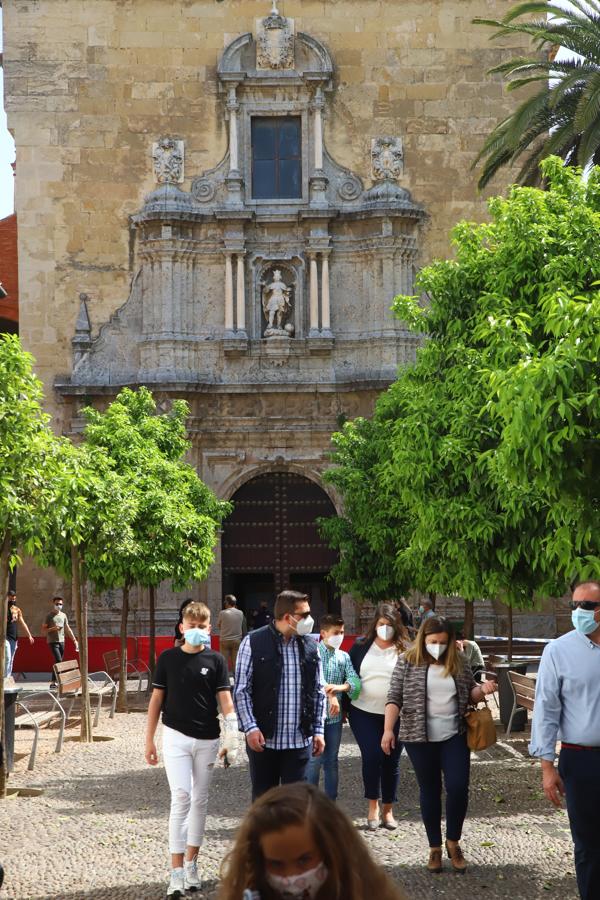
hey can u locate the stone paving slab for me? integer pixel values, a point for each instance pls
(99, 832)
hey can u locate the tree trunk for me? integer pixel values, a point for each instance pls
(152, 649)
(433, 597)
(510, 632)
(122, 695)
(4, 561)
(81, 620)
(469, 625)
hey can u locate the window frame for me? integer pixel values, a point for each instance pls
(280, 109)
(276, 159)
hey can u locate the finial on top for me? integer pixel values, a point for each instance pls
(274, 10)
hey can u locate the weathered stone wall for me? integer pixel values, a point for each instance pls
(90, 86)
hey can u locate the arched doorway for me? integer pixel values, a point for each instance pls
(271, 542)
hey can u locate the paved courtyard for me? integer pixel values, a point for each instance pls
(99, 829)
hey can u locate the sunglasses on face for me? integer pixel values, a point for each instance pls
(303, 615)
(588, 605)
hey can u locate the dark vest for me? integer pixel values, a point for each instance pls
(267, 666)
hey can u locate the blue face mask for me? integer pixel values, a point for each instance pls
(583, 621)
(197, 636)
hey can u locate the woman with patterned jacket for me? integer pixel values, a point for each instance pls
(430, 692)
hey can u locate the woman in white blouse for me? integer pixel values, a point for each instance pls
(374, 657)
(430, 692)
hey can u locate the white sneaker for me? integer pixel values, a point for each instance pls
(176, 884)
(191, 879)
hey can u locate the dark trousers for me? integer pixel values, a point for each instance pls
(430, 760)
(57, 649)
(272, 767)
(580, 772)
(380, 772)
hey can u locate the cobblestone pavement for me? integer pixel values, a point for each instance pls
(99, 831)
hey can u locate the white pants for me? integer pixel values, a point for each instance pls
(189, 763)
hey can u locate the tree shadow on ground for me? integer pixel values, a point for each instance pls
(151, 890)
(496, 882)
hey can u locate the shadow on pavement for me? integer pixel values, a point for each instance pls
(506, 881)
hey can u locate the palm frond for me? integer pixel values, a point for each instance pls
(563, 115)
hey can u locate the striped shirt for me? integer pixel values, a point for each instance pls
(337, 669)
(288, 735)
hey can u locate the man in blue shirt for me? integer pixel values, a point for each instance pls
(279, 695)
(567, 705)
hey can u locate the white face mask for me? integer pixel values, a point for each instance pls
(385, 632)
(299, 887)
(437, 650)
(334, 641)
(304, 626)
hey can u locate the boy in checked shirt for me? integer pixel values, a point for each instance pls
(340, 678)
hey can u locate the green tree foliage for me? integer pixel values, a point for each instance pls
(366, 536)
(486, 451)
(177, 517)
(25, 447)
(88, 531)
(561, 114)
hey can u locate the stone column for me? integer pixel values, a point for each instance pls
(228, 292)
(241, 294)
(233, 106)
(325, 309)
(314, 295)
(318, 129)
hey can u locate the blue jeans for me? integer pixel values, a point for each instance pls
(580, 772)
(329, 761)
(13, 649)
(430, 759)
(380, 772)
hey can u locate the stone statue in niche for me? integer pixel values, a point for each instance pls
(167, 157)
(275, 41)
(387, 158)
(277, 305)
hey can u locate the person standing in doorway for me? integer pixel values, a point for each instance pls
(14, 619)
(340, 678)
(262, 615)
(54, 627)
(567, 705)
(279, 695)
(374, 658)
(232, 628)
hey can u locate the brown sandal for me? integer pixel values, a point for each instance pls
(435, 860)
(455, 854)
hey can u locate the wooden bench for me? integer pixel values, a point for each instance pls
(68, 678)
(34, 717)
(136, 668)
(523, 687)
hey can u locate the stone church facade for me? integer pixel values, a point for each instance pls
(220, 200)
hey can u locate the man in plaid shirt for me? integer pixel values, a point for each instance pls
(279, 695)
(340, 678)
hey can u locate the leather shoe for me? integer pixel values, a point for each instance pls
(459, 863)
(372, 824)
(435, 860)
